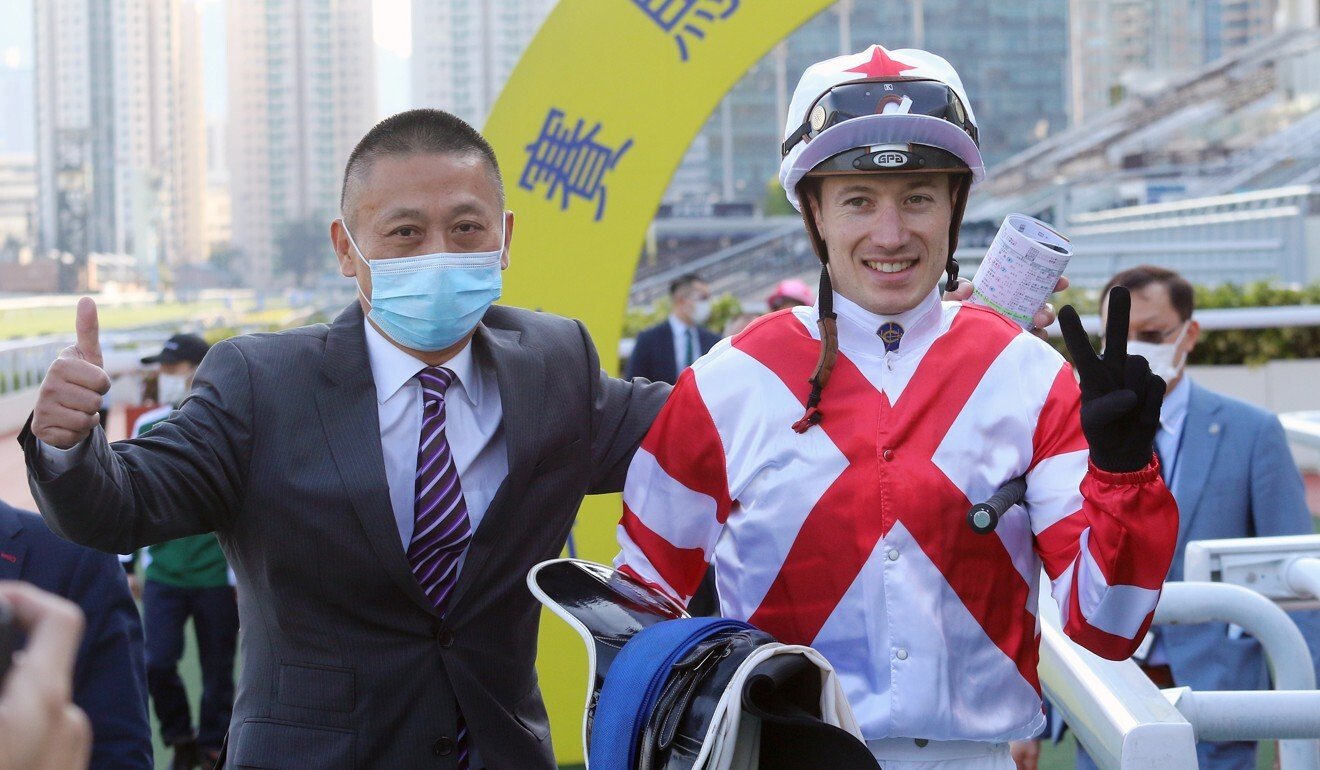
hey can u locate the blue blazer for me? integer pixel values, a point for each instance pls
(653, 356)
(110, 676)
(1234, 478)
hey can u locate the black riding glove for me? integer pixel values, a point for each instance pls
(1120, 396)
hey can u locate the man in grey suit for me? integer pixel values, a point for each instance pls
(381, 488)
(1230, 470)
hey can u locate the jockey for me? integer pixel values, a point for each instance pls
(823, 461)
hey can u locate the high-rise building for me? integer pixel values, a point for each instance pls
(74, 56)
(18, 197)
(219, 204)
(1012, 58)
(189, 189)
(1135, 47)
(301, 95)
(1231, 25)
(160, 138)
(119, 144)
(464, 50)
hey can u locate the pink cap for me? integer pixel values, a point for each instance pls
(792, 289)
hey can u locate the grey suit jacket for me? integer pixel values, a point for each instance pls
(346, 663)
(1235, 478)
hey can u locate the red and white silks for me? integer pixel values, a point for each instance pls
(852, 537)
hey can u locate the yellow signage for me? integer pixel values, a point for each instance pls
(589, 129)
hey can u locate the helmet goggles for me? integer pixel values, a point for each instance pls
(888, 96)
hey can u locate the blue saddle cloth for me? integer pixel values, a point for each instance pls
(634, 683)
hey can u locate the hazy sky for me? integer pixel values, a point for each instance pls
(215, 86)
(16, 33)
(392, 29)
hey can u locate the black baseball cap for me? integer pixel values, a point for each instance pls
(180, 347)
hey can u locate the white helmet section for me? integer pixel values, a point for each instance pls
(885, 128)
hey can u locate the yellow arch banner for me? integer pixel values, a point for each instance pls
(589, 129)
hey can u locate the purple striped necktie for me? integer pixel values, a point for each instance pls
(441, 530)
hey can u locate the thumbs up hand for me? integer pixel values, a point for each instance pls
(69, 401)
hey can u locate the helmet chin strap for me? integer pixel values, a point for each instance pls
(964, 182)
(826, 322)
(951, 270)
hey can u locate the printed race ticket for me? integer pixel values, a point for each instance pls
(1021, 268)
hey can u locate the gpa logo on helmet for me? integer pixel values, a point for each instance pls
(890, 159)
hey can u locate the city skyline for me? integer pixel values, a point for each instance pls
(302, 92)
(311, 77)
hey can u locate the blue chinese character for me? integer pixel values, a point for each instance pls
(686, 17)
(572, 162)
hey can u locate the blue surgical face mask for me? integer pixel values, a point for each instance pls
(432, 301)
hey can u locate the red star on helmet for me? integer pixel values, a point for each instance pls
(881, 65)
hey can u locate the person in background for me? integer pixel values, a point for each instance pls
(666, 349)
(109, 676)
(738, 323)
(790, 293)
(40, 726)
(1230, 470)
(184, 579)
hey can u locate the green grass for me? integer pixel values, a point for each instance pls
(55, 320)
(59, 320)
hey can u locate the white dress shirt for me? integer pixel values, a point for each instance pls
(473, 425)
(1168, 439)
(682, 333)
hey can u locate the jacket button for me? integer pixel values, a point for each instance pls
(444, 637)
(443, 747)
(888, 454)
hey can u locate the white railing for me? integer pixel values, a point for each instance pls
(1117, 713)
(1224, 716)
(1125, 721)
(1302, 427)
(23, 363)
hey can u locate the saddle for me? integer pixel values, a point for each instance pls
(670, 692)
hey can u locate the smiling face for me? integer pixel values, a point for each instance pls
(887, 236)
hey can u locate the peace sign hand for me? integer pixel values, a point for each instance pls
(1121, 398)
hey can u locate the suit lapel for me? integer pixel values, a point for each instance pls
(1202, 431)
(667, 350)
(520, 374)
(350, 418)
(12, 549)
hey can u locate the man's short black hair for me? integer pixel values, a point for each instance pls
(682, 282)
(417, 131)
(1181, 294)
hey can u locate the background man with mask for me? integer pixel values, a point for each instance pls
(666, 349)
(1228, 465)
(380, 486)
(182, 579)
